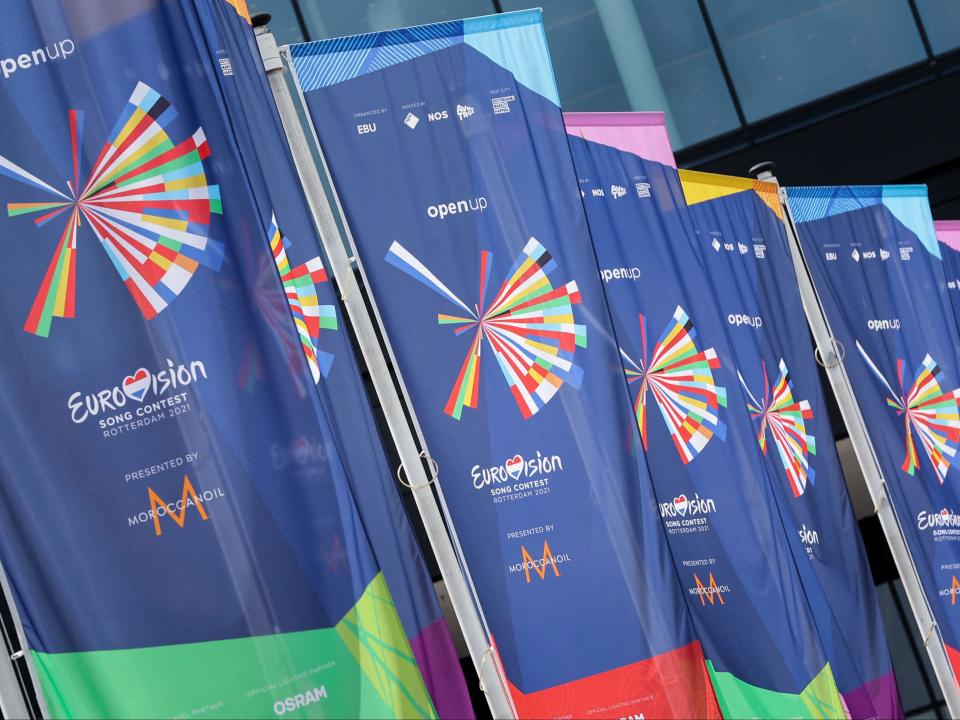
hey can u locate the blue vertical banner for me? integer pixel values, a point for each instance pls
(725, 439)
(179, 512)
(447, 148)
(742, 243)
(260, 138)
(878, 269)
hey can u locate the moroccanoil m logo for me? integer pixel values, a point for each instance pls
(177, 510)
(548, 562)
(711, 592)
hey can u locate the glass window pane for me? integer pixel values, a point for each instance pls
(586, 70)
(614, 55)
(941, 20)
(688, 67)
(283, 20)
(930, 714)
(350, 17)
(782, 53)
(927, 666)
(913, 691)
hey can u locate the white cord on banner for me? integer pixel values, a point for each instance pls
(352, 263)
(926, 639)
(884, 499)
(839, 352)
(483, 661)
(434, 473)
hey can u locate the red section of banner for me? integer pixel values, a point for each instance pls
(954, 656)
(672, 685)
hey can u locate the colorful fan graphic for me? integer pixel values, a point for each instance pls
(931, 413)
(529, 325)
(680, 377)
(309, 316)
(785, 418)
(146, 200)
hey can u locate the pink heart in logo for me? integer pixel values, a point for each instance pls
(944, 513)
(135, 386)
(680, 503)
(514, 466)
(301, 450)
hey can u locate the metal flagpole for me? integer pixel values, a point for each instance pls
(13, 704)
(832, 361)
(468, 616)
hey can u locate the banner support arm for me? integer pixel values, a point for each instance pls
(478, 642)
(866, 456)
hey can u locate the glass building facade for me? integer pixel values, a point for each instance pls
(713, 66)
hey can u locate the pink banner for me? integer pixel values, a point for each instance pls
(642, 133)
(948, 232)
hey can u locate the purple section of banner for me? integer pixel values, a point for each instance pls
(642, 133)
(450, 698)
(863, 701)
(948, 232)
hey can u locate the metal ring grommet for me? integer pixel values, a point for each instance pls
(434, 473)
(434, 467)
(839, 352)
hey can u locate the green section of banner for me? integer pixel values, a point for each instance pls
(819, 699)
(362, 668)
